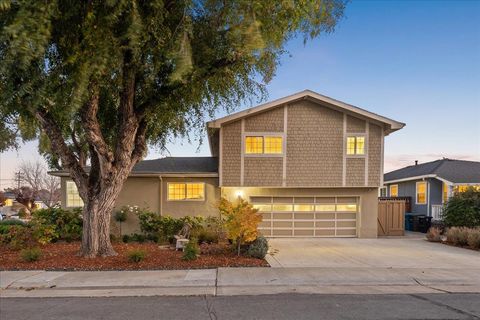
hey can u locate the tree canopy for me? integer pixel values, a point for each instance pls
(100, 81)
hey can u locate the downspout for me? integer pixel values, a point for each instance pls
(428, 198)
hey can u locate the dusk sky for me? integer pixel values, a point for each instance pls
(415, 62)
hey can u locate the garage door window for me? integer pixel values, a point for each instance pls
(308, 217)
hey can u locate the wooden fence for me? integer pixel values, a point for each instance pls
(391, 217)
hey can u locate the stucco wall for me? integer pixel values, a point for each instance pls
(207, 207)
(366, 221)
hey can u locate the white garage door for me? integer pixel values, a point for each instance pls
(307, 216)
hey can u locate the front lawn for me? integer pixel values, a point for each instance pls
(63, 256)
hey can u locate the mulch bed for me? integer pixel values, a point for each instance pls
(63, 256)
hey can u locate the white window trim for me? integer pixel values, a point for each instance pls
(390, 190)
(355, 135)
(66, 195)
(264, 134)
(416, 193)
(187, 200)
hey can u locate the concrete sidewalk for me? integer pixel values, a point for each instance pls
(238, 281)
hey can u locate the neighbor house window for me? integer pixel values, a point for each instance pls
(394, 190)
(355, 145)
(383, 191)
(445, 193)
(73, 197)
(263, 145)
(186, 191)
(421, 192)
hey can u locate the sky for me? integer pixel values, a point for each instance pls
(417, 62)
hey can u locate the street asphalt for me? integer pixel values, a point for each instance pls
(282, 306)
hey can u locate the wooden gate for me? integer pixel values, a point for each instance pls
(391, 217)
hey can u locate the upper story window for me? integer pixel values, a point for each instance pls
(186, 191)
(263, 145)
(394, 190)
(421, 192)
(355, 145)
(73, 197)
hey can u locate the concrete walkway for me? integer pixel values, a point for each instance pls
(238, 281)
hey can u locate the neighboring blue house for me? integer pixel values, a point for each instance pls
(430, 184)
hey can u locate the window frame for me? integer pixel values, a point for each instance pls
(365, 143)
(390, 190)
(416, 193)
(382, 192)
(263, 135)
(67, 205)
(185, 189)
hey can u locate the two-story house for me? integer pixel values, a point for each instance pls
(311, 164)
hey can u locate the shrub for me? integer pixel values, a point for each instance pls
(18, 237)
(204, 235)
(30, 254)
(136, 255)
(120, 217)
(241, 221)
(191, 250)
(67, 223)
(12, 222)
(457, 236)
(463, 209)
(126, 238)
(434, 235)
(473, 238)
(136, 237)
(258, 248)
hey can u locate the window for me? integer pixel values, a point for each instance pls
(263, 145)
(347, 207)
(186, 191)
(383, 191)
(421, 192)
(394, 190)
(445, 193)
(254, 145)
(73, 197)
(356, 145)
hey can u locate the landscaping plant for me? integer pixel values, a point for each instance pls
(457, 236)
(473, 238)
(434, 235)
(241, 221)
(463, 209)
(136, 255)
(191, 250)
(120, 217)
(30, 254)
(258, 248)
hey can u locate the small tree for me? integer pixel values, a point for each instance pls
(463, 209)
(241, 221)
(121, 216)
(45, 187)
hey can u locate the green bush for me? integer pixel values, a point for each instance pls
(126, 238)
(473, 238)
(30, 254)
(164, 227)
(204, 235)
(18, 237)
(191, 250)
(463, 209)
(457, 236)
(12, 222)
(67, 223)
(258, 248)
(44, 233)
(136, 237)
(136, 255)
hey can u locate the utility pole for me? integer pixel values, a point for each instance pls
(18, 179)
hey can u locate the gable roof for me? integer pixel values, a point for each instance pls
(169, 165)
(389, 124)
(451, 170)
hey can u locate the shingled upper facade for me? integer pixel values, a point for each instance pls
(312, 165)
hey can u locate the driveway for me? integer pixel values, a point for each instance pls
(411, 251)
